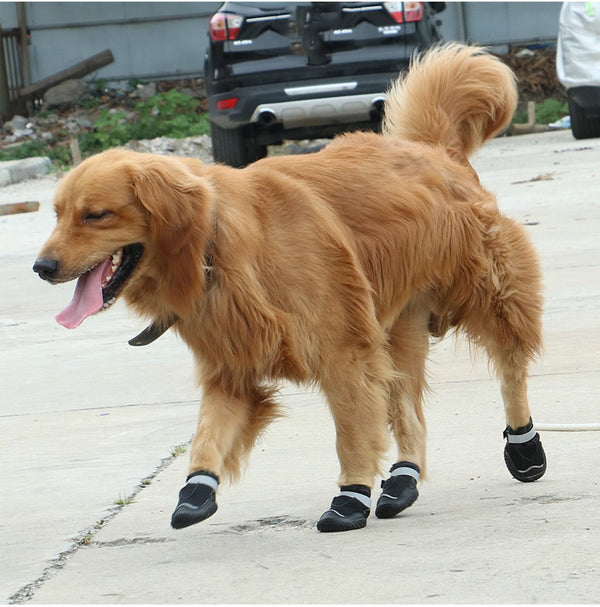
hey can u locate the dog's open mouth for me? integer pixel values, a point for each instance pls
(98, 288)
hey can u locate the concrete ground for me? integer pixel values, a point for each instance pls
(87, 421)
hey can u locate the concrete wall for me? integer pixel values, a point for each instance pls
(149, 40)
(154, 40)
(501, 23)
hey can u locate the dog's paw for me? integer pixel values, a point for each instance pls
(197, 500)
(349, 510)
(399, 491)
(524, 454)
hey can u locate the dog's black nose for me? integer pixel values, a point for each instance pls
(46, 268)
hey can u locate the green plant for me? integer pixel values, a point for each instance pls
(178, 450)
(170, 114)
(99, 85)
(110, 130)
(123, 501)
(520, 117)
(60, 155)
(46, 113)
(550, 110)
(85, 540)
(89, 103)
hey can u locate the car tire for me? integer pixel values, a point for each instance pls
(235, 147)
(584, 123)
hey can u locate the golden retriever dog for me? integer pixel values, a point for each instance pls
(332, 269)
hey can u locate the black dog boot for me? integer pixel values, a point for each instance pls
(399, 491)
(524, 454)
(197, 500)
(349, 510)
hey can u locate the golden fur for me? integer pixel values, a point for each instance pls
(332, 268)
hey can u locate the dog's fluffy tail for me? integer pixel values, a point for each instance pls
(455, 96)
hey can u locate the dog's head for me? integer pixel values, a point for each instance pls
(128, 224)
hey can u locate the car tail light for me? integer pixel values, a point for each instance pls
(227, 104)
(225, 26)
(405, 12)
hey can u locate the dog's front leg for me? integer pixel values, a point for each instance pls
(358, 402)
(222, 421)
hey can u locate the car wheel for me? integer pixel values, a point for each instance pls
(584, 122)
(235, 147)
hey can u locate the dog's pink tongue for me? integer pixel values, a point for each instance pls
(87, 299)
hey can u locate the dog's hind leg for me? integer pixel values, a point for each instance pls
(523, 453)
(507, 323)
(356, 386)
(228, 427)
(409, 345)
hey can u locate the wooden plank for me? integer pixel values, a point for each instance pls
(19, 207)
(76, 71)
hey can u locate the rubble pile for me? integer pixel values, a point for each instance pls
(72, 108)
(536, 73)
(193, 147)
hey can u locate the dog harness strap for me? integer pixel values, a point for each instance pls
(204, 479)
(363, 499)
(520, 438)
(406, 471)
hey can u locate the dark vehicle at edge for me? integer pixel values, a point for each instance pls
(305, 70)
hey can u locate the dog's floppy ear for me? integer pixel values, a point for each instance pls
(175, 199)
(180, 222)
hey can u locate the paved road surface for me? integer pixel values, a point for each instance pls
(85, 419)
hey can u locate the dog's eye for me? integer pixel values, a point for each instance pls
(91, 217)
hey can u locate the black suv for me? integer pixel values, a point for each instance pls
(305, 70)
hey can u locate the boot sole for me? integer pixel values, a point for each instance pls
(388, 507)
(533, 473)
(333, 523)
(188, 514)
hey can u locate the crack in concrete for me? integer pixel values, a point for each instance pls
(84, 538)
(273, 522)
(132, 541)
